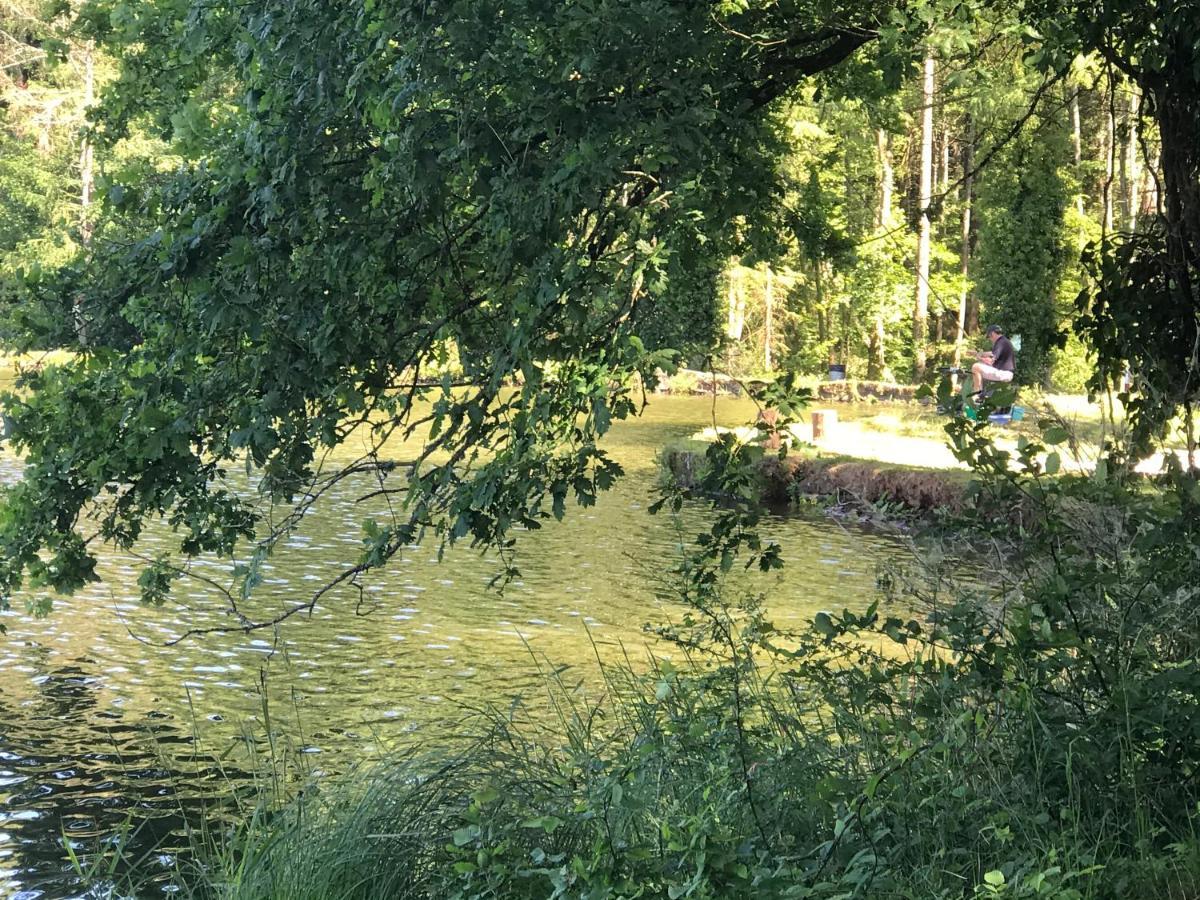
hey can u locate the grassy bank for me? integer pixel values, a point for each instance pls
(854, 776)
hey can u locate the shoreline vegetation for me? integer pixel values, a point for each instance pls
(939, 739)
(885, 458)
(842, 482)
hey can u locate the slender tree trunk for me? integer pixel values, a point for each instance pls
(1122, 166)
(935, 171)
(1110, 153)
(769, 336)
(945, 176)
(968, 199)
(1181, 200)
(86, 156)
(887, 178)
(921, 303)
(735, 325)
(1133, 170)
(844, 341)
(1077, 135)
(876, 344)
(822, 322)
(876, 355)
(1150, 200)
(973, 325)
(87, 181)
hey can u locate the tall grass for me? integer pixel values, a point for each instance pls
(701, 781)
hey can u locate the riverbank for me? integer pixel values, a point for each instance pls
(882, 450)
(841, 484)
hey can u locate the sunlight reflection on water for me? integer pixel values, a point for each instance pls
(100, 721)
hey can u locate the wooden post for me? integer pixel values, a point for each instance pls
(824, 422)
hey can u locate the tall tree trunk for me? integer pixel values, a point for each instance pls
(1132, 167)
(822, 322)
(921, 304)
(944, 180)
(1150, 198)
(968, 199)
(1110, 152)
(736, 322)
(936, 169)
(1077, 135)
(876, 355)
(87, 181)
(1181, 199)
(844, 340)
(876, 349)
(769, 336)
(887, 178)
(86, 156)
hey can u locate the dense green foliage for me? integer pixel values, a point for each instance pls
(1144, 307)
(1024, 252)
(41, 122)
(375, 190)
(469, 225)
(844, 265)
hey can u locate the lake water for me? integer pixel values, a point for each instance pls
(103, 725)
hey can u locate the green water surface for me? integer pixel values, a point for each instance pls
(102, 721)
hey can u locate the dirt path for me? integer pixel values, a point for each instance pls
(886, 437)
(851, 439)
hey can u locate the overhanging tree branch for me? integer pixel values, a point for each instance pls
(782, 73)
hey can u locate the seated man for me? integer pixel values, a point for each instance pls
(996, 364)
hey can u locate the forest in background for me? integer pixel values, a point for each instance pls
(1006, 215)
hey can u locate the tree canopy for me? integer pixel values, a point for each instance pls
(471, 222)
(371, 187)
(1144, 306)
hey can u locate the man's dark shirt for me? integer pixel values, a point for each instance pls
(1002, 354)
